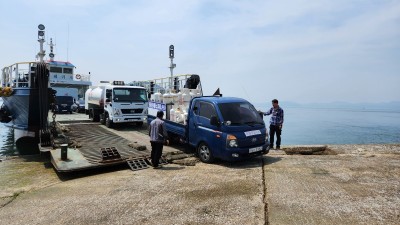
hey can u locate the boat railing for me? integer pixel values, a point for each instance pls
(162, 85)
(17, 75)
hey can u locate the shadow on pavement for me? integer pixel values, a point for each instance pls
(91, 172)
(271, 159)
(251, 162)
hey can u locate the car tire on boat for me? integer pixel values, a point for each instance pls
(204, 153)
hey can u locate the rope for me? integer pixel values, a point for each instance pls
(43, 90)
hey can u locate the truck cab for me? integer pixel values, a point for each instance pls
(225, 127)
(64, 104)
(125, 104)
(116, 102)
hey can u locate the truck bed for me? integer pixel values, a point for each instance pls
(172, 127)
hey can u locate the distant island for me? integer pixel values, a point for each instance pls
(384, 106)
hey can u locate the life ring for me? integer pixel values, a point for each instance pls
(78, 76)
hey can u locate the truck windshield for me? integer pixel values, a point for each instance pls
(239, 113)
(129, 95)
(65, 100)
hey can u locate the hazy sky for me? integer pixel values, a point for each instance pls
(297, 50)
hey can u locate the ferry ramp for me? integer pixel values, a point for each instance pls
(96, 146)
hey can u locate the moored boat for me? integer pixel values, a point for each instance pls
(27, 91)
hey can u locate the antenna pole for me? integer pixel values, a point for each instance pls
(51, 50)
(172, 66)
(41, 40)
(68, 44)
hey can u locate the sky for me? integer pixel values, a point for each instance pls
(293, 50)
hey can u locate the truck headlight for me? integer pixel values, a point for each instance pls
(231, 141)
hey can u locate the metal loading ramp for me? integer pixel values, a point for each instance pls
(99, 147)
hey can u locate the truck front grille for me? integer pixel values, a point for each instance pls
(131, 111)
(252, 141)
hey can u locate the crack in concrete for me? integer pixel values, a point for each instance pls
(264, 186)
(13, 197)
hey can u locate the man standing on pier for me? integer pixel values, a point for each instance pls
(276, 123)
(158, 136)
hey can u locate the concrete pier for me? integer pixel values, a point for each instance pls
(353, 184)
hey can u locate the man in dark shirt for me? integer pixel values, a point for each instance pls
(158, 136)
(276, 123)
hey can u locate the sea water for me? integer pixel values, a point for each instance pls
(306, 126)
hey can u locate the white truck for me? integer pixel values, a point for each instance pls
(115, 102)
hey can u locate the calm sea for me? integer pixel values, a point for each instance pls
(304, 126)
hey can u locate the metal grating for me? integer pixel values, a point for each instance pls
(110, 154)
(143, 163)
(138, 164)
(93, 137)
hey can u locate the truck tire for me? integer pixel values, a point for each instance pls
(91, 115)
(94, 117)
(103, 119)
(204, 153)
(109, 123)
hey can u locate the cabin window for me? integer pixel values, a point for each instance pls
(55, 69)
(207, 110)
(129, 95)
(239, 113)
(68, 70)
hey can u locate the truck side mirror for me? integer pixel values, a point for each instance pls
(261, 114)
(108, 93)
(214, 121)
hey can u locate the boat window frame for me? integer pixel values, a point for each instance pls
(56, 67)
(67, 68)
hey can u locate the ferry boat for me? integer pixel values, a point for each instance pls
(27, 90)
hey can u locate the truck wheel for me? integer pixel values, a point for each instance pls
(109, 123)
(204, 153)
(102, 119)
(91, 116)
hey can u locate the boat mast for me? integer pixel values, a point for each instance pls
(41, 40)
(172, 66)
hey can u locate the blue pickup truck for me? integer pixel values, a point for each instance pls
(227, 128)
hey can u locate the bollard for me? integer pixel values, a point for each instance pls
(64, 151)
